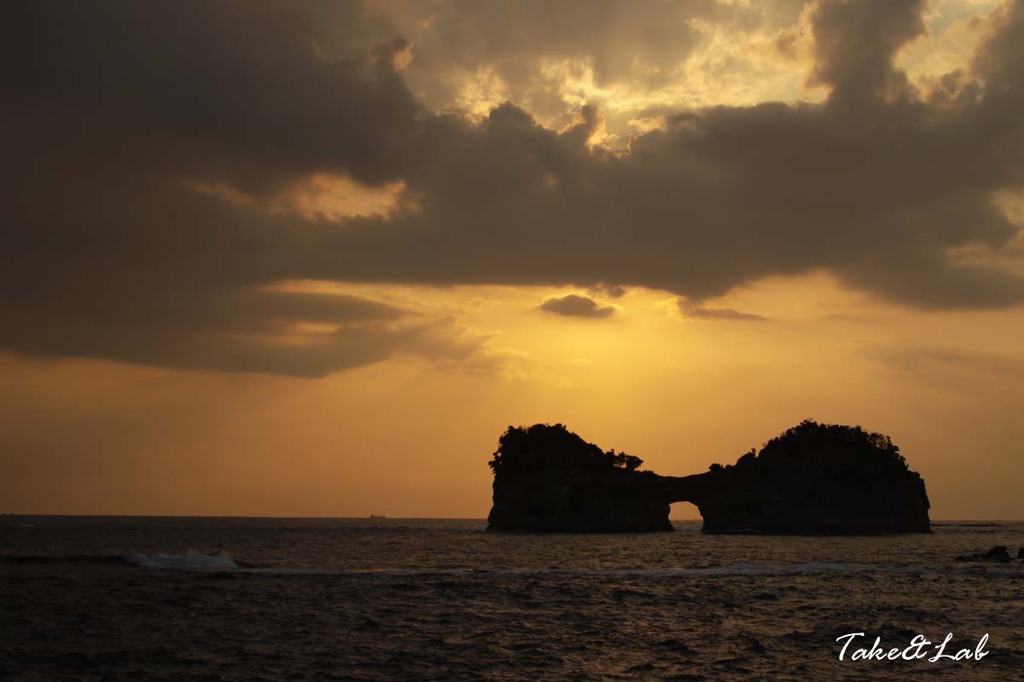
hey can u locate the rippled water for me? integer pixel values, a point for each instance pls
(274, 599)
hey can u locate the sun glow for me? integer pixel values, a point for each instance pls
(321, 196)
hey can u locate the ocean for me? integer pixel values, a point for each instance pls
(134, 598)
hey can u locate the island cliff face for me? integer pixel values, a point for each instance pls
(813, 479)
(547, 479)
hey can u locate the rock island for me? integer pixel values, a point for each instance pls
(814, 479)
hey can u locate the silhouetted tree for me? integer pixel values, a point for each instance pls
(811, 440)
(545, 447)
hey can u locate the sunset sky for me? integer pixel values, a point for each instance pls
(312, 258)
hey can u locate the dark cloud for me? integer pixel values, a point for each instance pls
(608, 290)
(855, 45)
(1000, 82)
(114, 107)
(114, 110)
(574, 305)
(224, 90)
(722, 197)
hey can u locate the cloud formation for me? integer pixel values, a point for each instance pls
(116, 113)
(574, 305)
(700, 312)
(931, 360)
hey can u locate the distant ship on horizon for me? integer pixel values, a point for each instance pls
(374, 516)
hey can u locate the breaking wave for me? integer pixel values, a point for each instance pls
(193, 560)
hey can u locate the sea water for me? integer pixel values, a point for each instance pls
(117, 598)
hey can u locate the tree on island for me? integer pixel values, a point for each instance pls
(830, 446)
(546, 447)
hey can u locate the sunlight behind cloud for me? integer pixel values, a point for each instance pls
(334, 197)
(320, 196)
(954, 31)
(481, 91)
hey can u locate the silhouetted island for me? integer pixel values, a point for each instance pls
(814, 479)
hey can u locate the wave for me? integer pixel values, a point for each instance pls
(740, 569)
(222, 561)
(219, 560)
(192, 560)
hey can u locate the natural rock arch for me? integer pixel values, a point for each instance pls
(812, 479)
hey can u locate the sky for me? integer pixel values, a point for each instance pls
(313, 258)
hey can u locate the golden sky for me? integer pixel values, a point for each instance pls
(312, 258)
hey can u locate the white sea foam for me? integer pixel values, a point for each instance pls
(219, 560)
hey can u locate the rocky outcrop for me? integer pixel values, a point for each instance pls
(816, 479)
(547, 479)
(813, 479)
(998, 554)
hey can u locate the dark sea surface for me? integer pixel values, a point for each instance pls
(109, 598)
